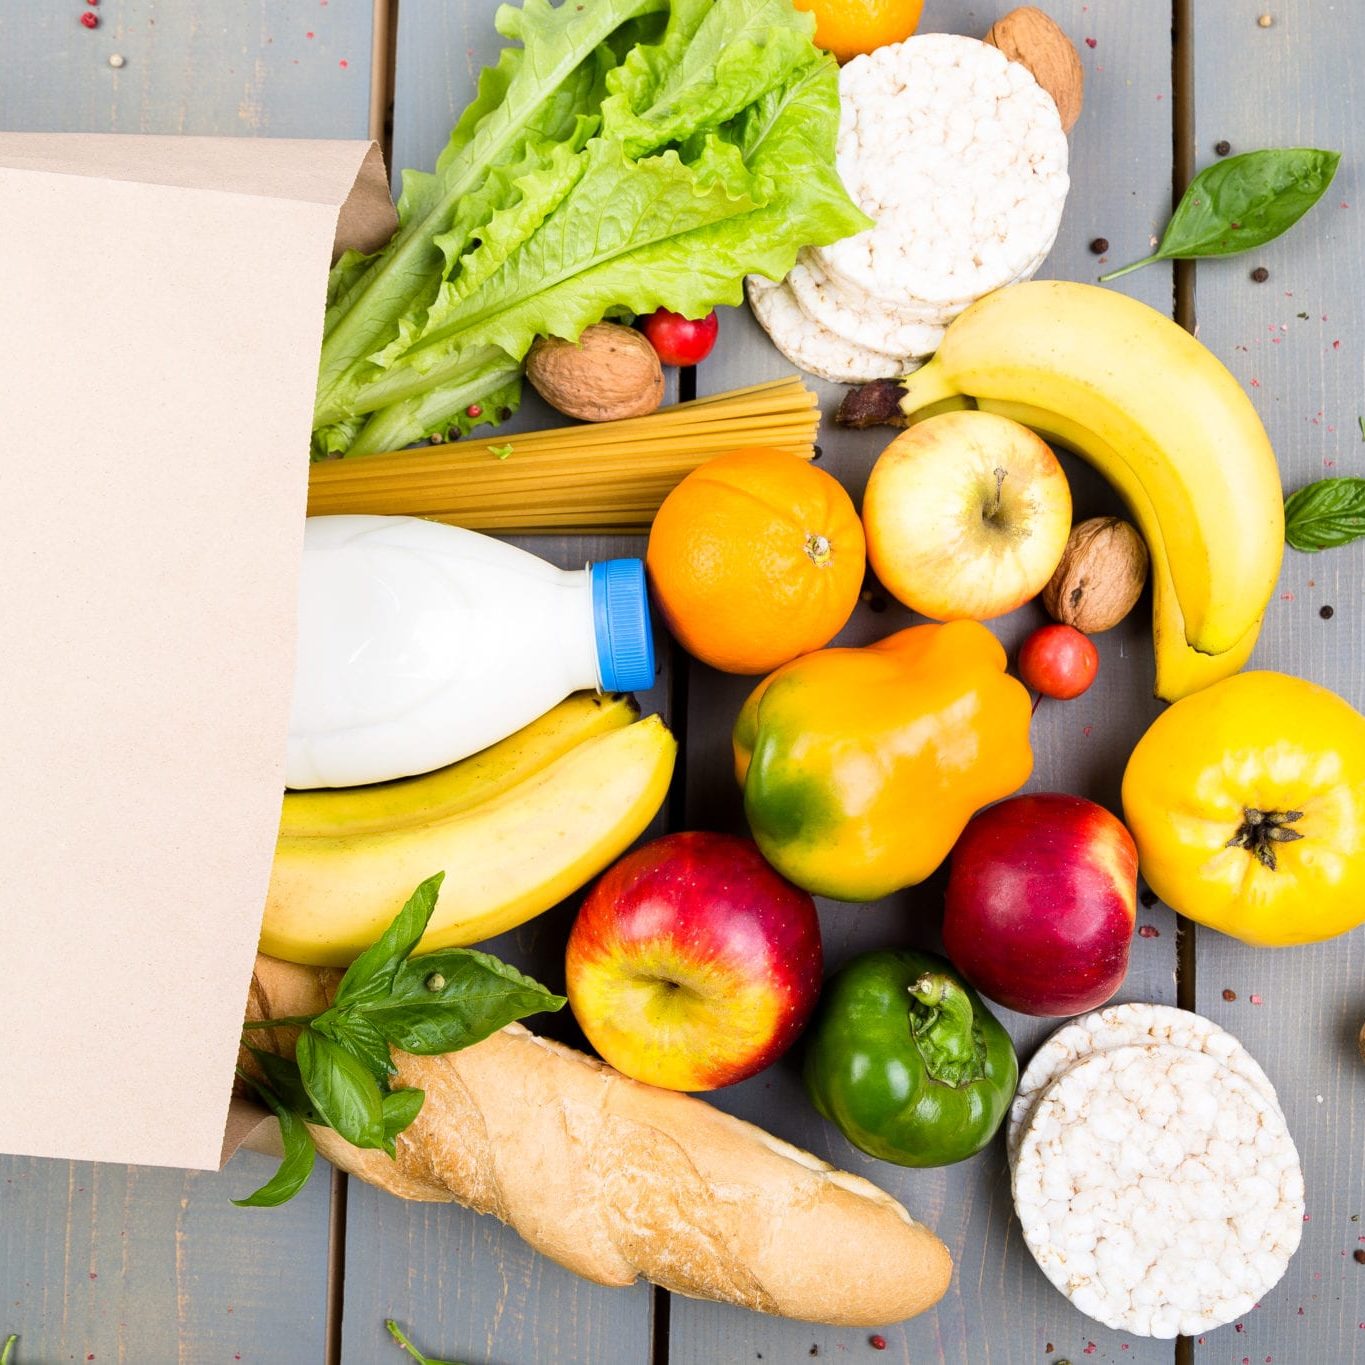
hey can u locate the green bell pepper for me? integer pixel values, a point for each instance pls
(907, 1061)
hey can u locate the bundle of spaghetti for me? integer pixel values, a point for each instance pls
(597, 477)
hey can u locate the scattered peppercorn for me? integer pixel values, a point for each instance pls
(1260, 274)
(1229, 995)
(1326, 613)
(877, 1342)
(1100, 245)
(1358, 1255)
(435, 982)
(876, 602)
(435, 439)
(1265, 21)
(116, 60)
(1148, 898)
(473, 410)
(1222, 148)
(90, 19)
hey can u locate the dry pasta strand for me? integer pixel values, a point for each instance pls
(594, 478)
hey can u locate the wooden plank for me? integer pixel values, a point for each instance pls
(999, 1308)
(468, 1287)
(127, 1263)
(137, 1264)
(1298, 1009)
(275, 68)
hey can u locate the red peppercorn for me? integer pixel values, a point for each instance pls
(90, 19)
(473, 410)
(877, 1342)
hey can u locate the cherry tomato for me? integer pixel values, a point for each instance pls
(1059, 662)
(679, 340)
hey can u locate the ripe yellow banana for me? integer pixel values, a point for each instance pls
(1157, 413)
(478, 778)
(506, 858)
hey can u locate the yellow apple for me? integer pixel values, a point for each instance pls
(967, 514)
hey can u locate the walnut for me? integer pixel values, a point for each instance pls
(1029, 37)
(611, 371)
(1100, 577)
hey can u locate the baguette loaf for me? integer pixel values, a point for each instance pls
(614, 1179)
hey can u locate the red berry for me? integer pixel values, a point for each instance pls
(473, 410)
(90, 19)
(678, 340)
(1059, 662)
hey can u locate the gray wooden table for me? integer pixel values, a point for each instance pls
(105, 1263)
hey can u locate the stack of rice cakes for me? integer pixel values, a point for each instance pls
(959, 157)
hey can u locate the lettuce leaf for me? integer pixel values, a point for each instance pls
(713, 60)
(659, 175)
(538, 92)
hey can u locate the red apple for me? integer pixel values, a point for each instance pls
(1041, 901)
(692, 964)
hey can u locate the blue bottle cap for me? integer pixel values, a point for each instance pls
(620, 610)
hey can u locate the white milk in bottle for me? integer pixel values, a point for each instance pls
(421, 643)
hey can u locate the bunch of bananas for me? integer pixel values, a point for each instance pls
(516, 828)
(1157, 413)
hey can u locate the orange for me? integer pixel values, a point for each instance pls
(848, 28)
(754, 558)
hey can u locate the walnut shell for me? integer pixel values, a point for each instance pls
(611, 371)
(1029, 37)
(1100, 577)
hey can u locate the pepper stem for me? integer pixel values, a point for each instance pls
(943, 1024)
(1261, 830)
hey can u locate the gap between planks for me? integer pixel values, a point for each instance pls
(1182, 172)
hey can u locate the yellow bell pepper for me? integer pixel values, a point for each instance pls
(1247, 802)
(860, 767)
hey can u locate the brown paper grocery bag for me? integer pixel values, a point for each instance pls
(161, 304)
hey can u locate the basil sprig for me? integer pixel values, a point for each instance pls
(1325, 514)
(396, 1332)
(1243, 202)
(340, 1076)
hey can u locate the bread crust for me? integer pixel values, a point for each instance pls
(614, 1179)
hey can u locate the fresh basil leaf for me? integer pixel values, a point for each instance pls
(342, 1089)
(396, 1333)
(282, 1076)
(1243, 202)
(371, 974)
(445, 1001)
(352, 1031)
(299, 1152)
(400, 1108)
(1325, 514)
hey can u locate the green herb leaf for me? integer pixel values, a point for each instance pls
(400, 1108)
(352, 1031)
(1361, 420)
(342, 1089)
(502, 452)
(396, 1333)
(299, 1152)
(371, 974)
(282, 1076)
(1325, 514)
(445, 1001)
(1243, 202)
(9, 1348)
